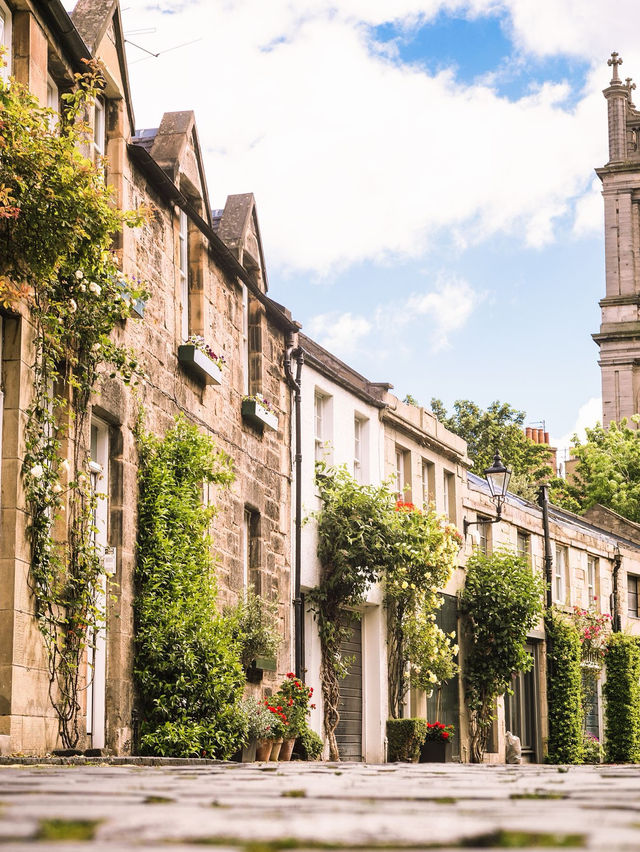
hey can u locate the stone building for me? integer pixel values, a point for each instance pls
(619, 335)
(206, 276)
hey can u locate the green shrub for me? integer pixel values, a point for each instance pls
(255, 625)
(564, 685)
(621, 692)
(187, 660)
(405, 737)
(310, 744)
(592, 750)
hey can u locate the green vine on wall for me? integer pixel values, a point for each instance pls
(364, 536)
(57, 222)
(621, 692)
(564, 686)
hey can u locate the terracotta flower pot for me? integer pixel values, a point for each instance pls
(287, 748)
(275, 749)
(263, 749)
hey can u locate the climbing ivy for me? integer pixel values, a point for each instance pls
(57, 222)
(621, 692)
(564, 687)
(501, 602)
(187, 663)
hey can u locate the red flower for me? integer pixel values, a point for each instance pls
(445, 735)
(290, 674)
(313, 706)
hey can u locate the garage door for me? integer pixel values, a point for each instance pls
(349, 731)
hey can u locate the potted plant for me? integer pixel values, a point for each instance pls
(295, 697)
(199, 359)
(258, 721)
(279, 727)
(259, 412)
(437, 744)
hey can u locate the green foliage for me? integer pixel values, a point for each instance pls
(187, 657)
(405, 737)
(57, 222)
(621, 692)
(255, 627)
(592, 751)
(501, 602)
(365, 535)
(564, 688)
(258, 718)
(607, 472)
(295, 698)
(424, 548)
(497, 428)
(310, 743)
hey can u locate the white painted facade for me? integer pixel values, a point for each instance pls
(340, 426)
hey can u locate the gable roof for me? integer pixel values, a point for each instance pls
(238, 227)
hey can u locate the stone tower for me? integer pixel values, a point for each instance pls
(619, 335)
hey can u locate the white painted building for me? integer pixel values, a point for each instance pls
(340, 414)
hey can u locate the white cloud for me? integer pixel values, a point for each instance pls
(589, 219)
(339, 333)
(588, 415)
(441, 312)
(354, 156)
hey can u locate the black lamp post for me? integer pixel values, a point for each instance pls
(497, 477)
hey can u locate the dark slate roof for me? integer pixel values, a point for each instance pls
(216, 216)
(144, 138)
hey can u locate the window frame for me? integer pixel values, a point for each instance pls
(358, 428)
(524, 536)
(632, 579)
(183, 273)
(428, 483)
(100, 127)
(560, 571)
(245, 340)
(449, 494)
(593, 566)
(6, 39)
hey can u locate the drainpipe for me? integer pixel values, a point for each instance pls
(295, 383)
(543, 502)
(615, 609)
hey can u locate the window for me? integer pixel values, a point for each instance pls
(322, 426)
(250, 550)
(523, 546)
(632, 595)
(484, 532)
(403, 475)
(5, 39)
(52, 95)
(592, 579)
(360, 449)
(560, 585)
(245, 339)
(99, 128)
(428, 483)
(450, 496)
(183, 261)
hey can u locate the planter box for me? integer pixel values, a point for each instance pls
(435, 752)
(266, 664)
(258, 415)
(199, 365)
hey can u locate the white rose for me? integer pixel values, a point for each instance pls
(455, 649)
(36, 471)
(64, 466)
(432, 678)
(83, 288)
(95, 288)
(73, 307)
(79, 274)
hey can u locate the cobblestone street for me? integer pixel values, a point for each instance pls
(263, 808)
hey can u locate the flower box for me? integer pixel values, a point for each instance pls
(435, 751)
(196, 362)
(256, 414)
(266, 664)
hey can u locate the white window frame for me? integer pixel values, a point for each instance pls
(6, 39)
(357, 449)
(183, 269)
(99, 127)
(246, 552)
(449, 494)
(560, 574)
(53, 96)
(428, 483)
(319, 414)
(592, 579)
(399, 473)
(97, 655)
(523, 535)
(245, 339)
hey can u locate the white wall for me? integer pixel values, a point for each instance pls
(341, 410)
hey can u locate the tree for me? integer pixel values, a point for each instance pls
(501, 602)
(497, 428)
(607, 472)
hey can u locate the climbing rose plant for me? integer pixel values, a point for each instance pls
(365, 537)
(57, 222)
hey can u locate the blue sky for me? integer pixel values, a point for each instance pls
(424, 176)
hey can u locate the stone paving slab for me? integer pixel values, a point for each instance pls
(269, 807)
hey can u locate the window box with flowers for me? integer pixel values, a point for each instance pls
(199, 359)
(437, 745)
(259, 412)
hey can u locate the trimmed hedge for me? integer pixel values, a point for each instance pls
(564, 685)
(405, 737)
(621, 693)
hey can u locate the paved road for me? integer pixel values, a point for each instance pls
(269, 807)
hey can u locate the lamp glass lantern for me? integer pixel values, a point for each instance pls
(498, 477)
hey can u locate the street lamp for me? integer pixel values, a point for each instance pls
(497, 477)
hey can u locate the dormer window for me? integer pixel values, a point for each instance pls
(5, 40)
(99, 128)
